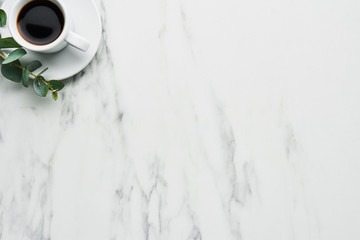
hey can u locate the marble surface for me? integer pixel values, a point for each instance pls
(197, 120)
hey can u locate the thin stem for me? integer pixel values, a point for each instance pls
(22, 68)
(2, 56)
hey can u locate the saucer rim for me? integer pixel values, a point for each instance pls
(86, 60)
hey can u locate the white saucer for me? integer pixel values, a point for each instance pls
(86, 22)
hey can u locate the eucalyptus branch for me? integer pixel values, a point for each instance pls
(12, 69)
(22, 68)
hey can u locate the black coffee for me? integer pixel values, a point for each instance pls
(40, 22)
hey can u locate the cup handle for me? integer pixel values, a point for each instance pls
(77, 41)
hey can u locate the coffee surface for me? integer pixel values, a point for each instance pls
(40, 22)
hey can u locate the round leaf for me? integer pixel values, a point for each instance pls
(15, 55)
(12, 72)
(2, 18)
(25, 77)
(8, 43)
(40, 87)
(34, 65)
(55, 95)
(56, 85)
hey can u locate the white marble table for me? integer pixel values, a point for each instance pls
(198, 119)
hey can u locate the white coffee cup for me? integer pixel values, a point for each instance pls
(66, 37)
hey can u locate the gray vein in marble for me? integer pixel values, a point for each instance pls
(195, 233)
(36, 197)
(121, 199)
(229, 141)
(158, 187)
(44, 227)
(103, 67)
(292, 145)
(300, 198)
(241, 178)
(104, 43)
(186, 29)
(209, 163)
(109, 57)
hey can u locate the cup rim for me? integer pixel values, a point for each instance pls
(13, 28)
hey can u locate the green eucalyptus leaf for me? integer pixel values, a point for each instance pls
(8, 43)
(54, 95)
(15, 55)
(57, 85)
(2, 18)
(12, 72)
(34, 65)
(25, 77)
(11, 67)
(40, 86)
